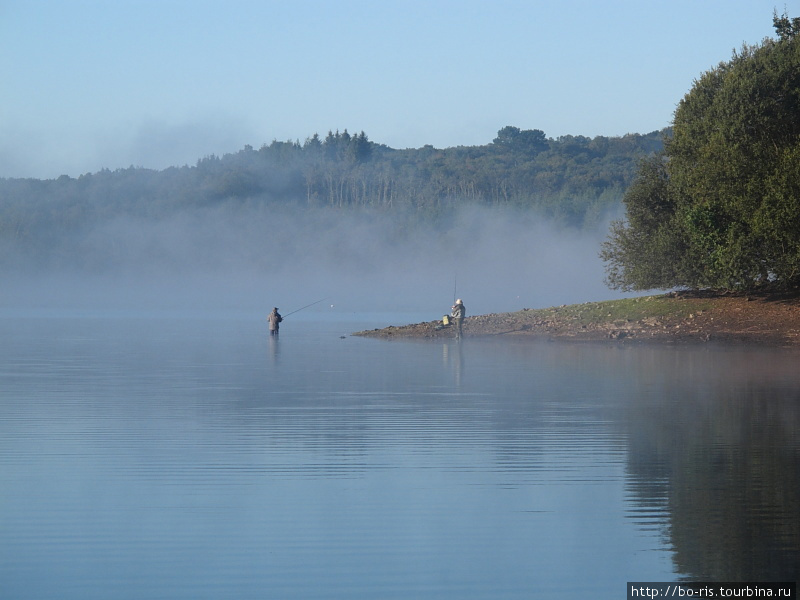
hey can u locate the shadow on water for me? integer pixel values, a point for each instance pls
(711, 436)
(714, 445)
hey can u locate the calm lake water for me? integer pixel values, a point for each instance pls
(151, 456)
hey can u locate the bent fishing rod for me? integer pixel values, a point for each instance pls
(304, 307)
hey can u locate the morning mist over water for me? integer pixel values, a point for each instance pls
(202, 458)
(253, 257)
(220, 460)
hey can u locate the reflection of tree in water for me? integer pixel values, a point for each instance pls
(715, 444)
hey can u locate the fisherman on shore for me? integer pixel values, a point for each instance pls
(458, 312)
(274, 319)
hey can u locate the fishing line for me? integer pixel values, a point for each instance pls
(306, 306)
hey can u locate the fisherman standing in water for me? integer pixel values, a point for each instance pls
(458, 312)
(274, 319)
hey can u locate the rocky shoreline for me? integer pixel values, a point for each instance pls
(685, 317)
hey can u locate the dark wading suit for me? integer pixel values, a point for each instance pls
(274, 319)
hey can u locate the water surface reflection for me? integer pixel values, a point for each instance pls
(714, 441)
(189, 458)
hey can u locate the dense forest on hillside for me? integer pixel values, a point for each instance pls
(720, 207)
(572, 180)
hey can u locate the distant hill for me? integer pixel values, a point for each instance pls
(574, 181)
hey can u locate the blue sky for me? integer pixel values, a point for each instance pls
(109, 84)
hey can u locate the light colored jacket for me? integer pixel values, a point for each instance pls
(274, 319)
(458, 311)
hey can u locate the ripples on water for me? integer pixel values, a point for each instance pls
(200, 458)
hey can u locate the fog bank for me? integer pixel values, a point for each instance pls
(251, 259)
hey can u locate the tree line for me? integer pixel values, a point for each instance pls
(719, 208)
(573, 180)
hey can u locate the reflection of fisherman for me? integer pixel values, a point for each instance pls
(274, 319)
(458, 312)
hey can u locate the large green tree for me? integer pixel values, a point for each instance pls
(720, 208)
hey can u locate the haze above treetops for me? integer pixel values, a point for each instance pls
(520, 219)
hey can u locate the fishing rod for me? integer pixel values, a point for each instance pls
(304, 307)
